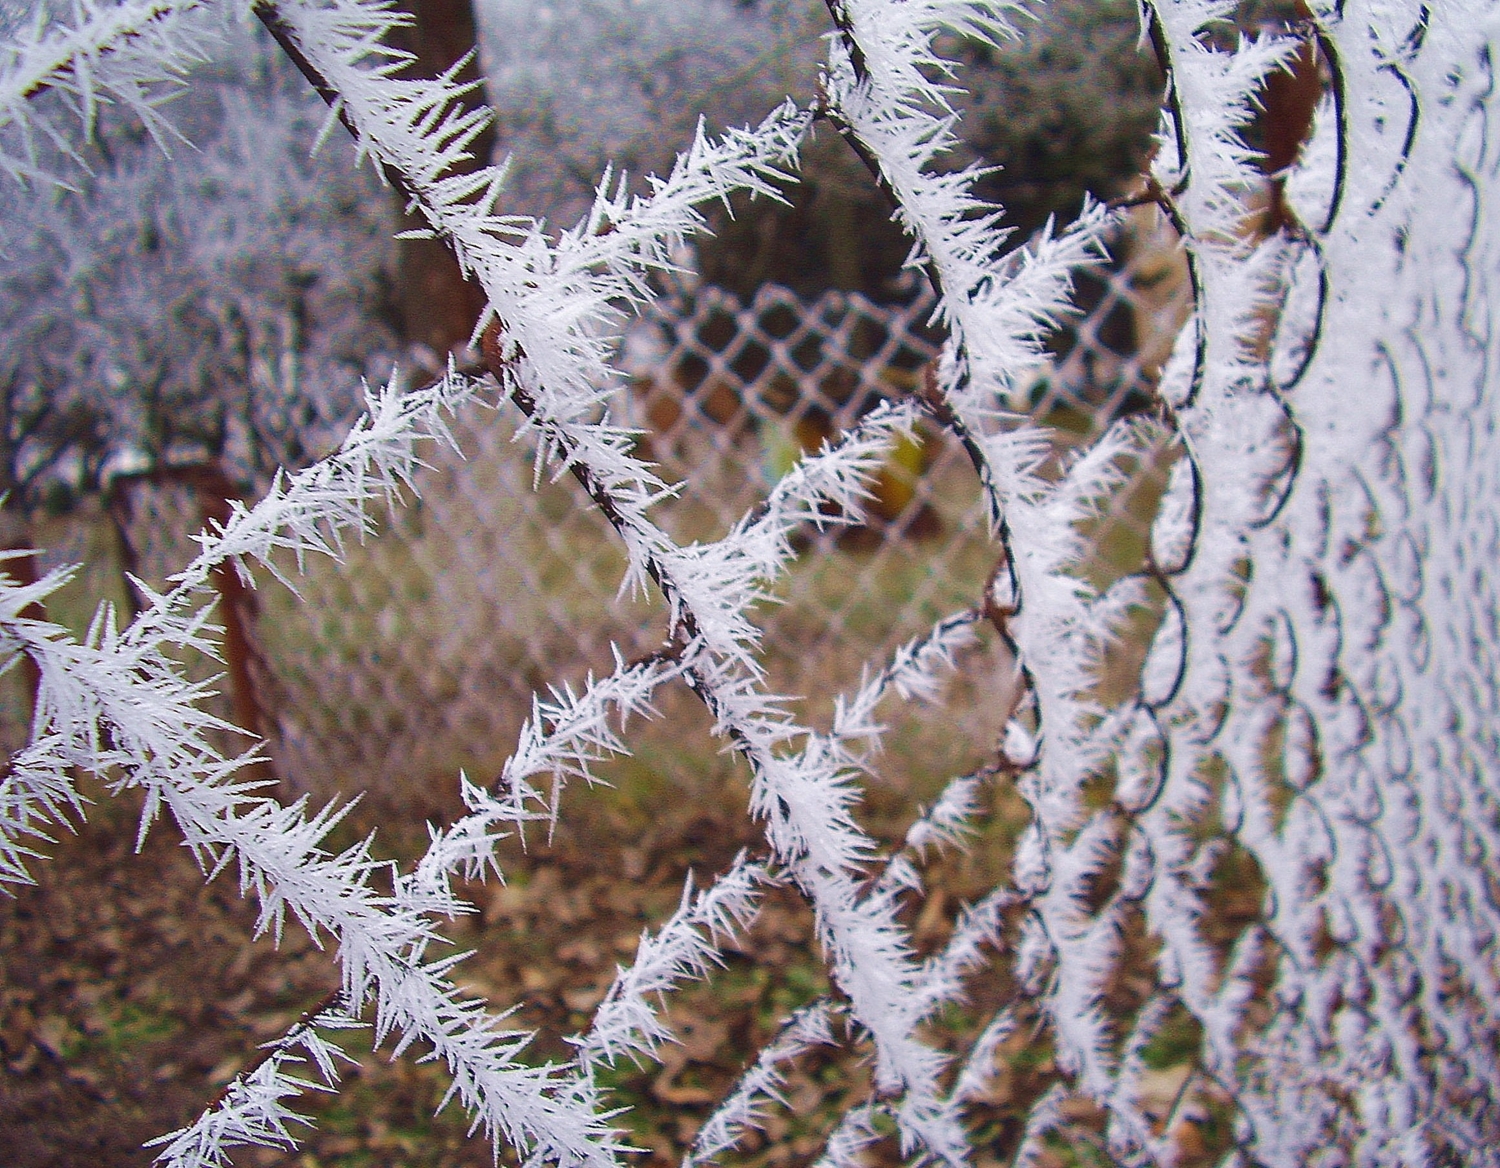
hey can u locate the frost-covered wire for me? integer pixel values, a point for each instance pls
(130, 53)
(1333, 767)
(126, 679)
(115, 702)
(744, 1108)
(251, 1112)
(685, 946)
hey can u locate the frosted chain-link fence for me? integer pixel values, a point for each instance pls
(1250, 911)
(421, 651)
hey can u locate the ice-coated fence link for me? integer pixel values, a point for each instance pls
(420, 652)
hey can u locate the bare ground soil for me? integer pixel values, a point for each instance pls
(131, 992)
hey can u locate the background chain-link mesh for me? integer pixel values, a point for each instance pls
(420, 652)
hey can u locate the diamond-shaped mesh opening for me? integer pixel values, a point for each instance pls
(420, 652)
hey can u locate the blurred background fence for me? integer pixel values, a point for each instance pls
(420, 652)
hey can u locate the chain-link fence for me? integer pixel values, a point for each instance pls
(420, 651)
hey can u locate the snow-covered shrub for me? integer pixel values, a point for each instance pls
(216, 300)
(1313, 723)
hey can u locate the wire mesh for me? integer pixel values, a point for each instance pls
(419, 652)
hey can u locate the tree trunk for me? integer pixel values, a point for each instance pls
(437, 306)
